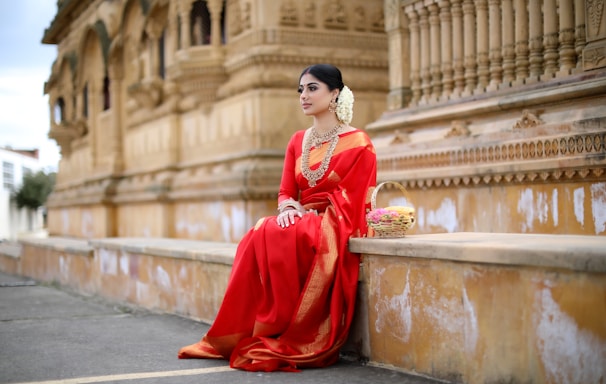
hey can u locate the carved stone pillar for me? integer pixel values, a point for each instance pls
(521, 37)
(508, 31)
(116, 77)
(94, 85)
(567, 52)
(594, 54)
(483, 45)
(415, 54)
(579, 30)
(215, 8)
(154, 31)
(185, 25)
(435, 52)
(425, 53)
(470, 45)
(550, 37)
(458, 48)
(495, 57)
(536, 38)
(173, 32)
(399, 56)
(446, 39)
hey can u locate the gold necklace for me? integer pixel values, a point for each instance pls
(316, 140)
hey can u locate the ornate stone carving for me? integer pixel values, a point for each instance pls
(399, 138)
(154, 28)
(594, 58)
(239, 17)
(359, 22)
(148, 93)
(336, 17)
(595, 8)
(392, 10)
(458, 129)
(80, 126)
(64, 134)
(378, 21)
(289, 15)
(235, 18)
(246, 15)
(310, 14)
(529, 119)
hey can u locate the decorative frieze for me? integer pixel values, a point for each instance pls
(374, 42)
(336, 14)
(537, 159)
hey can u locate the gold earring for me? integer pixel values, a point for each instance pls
(332, 106)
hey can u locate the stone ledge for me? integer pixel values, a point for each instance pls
(12, 250)
(63, 244)
(206, 251)
(572, 252)
(575, 87)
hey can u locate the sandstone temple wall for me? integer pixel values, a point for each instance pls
(172, 116)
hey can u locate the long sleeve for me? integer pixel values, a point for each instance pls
(288, 184)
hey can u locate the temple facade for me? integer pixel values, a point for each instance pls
(172, 116)
(495, 119)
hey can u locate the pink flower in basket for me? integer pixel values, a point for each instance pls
(381, 215)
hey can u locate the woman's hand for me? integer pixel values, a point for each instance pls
(287, 217)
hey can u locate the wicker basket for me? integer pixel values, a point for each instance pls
(393, 221)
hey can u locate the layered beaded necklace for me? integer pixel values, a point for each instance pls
(315, 140)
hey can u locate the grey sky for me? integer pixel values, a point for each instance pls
(25, 64)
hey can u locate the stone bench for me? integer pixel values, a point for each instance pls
(178, 276)
(463, 307)
(487, 307)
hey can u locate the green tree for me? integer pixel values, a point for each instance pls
(35, 190)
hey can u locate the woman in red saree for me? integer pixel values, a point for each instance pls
(291, 294)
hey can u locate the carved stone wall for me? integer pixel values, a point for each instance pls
(495, 119)
(175, 114)
(471, 104)
(594, 54)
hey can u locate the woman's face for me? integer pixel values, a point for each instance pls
(315, 95)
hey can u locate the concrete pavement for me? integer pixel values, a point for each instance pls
(51, 335)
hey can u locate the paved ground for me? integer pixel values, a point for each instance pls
(50, 335)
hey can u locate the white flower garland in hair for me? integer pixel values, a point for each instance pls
(345, 105)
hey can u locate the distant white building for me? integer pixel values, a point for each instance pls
(15, 222)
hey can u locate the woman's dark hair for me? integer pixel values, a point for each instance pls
(326, 73)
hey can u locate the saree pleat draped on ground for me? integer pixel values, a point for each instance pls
(291, 294)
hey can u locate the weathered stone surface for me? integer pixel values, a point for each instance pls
(488, 307)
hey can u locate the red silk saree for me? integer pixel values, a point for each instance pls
(291, 294)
